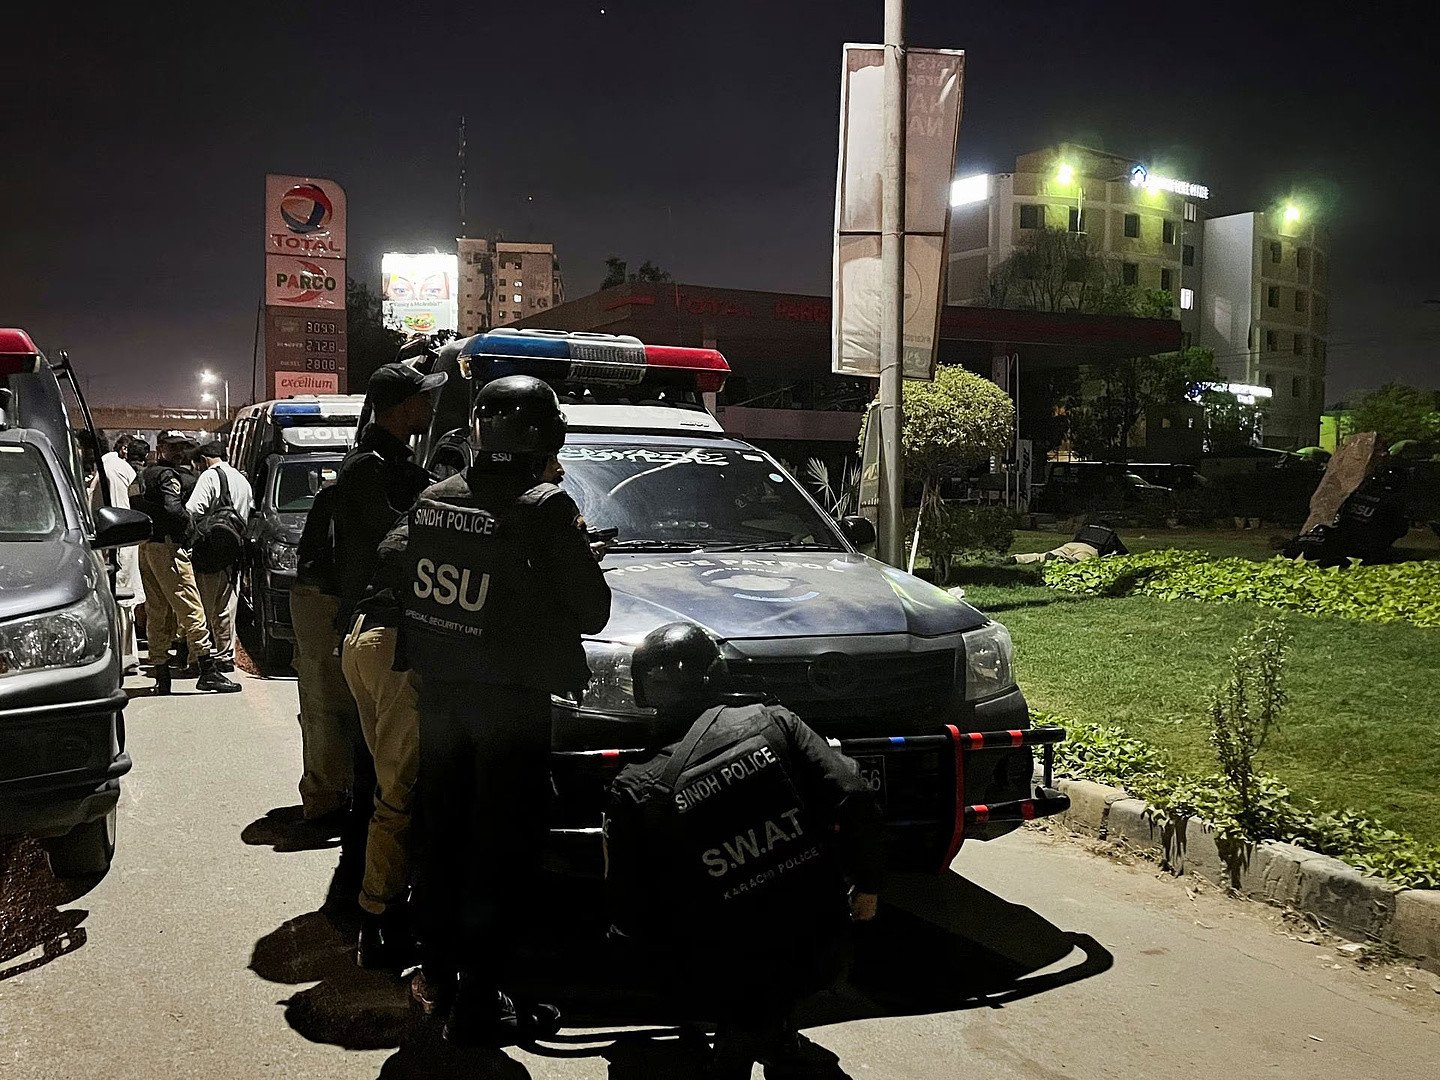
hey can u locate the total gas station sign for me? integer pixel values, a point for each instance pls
(305, 332)
(304, 216)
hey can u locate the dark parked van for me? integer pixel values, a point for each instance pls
(289, 450)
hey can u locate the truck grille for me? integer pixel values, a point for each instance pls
(841, 693)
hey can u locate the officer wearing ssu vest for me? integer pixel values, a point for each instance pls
(498, 585)
(746, 831)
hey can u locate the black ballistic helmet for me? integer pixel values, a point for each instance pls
(519, 414)
(677, 665)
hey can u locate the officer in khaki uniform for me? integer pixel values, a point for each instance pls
(377, 485)
(329, 721)
(390, 720)
(172, 599)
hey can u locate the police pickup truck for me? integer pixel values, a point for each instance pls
(913, 682)
(62, 727)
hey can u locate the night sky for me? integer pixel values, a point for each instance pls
(698, 134)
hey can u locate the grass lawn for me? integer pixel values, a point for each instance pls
(1259, 543)
(1360, 731)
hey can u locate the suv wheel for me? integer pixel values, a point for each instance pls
(86, 850)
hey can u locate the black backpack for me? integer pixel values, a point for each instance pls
(219, 534)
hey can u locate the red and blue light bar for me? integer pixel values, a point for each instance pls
(18, 354)
(588, 358)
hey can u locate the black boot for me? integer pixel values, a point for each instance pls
(385, 940)
(162, 678)
(483, 1017)
(211, 679)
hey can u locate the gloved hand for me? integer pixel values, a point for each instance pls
(863, 906)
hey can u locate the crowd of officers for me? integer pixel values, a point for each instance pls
(189, 613)
(433, 622)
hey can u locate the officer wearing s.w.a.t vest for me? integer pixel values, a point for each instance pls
(497, 584)
(748, 833)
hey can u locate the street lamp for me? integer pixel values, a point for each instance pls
(209, 377)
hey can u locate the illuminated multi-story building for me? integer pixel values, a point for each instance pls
(502, 281)
(1252, 287)
(1265, 313)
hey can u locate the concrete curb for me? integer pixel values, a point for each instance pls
(1344, 900)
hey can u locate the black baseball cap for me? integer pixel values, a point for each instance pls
(394, 384)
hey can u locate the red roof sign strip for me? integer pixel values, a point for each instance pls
(304, 216)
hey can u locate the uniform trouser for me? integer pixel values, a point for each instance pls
(329, 721)
(172, 601)
(217, 596)
(390, 721)
(485, 797)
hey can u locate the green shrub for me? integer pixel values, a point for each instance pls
(1108, 755)
(1393, 592)
(951, 534)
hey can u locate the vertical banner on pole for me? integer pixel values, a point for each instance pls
(934, 80)
(304, 325)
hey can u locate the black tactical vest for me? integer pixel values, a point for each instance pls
(473, 608)
(739, 844)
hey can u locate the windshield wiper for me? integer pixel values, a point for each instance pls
(776, 545)
(642, 543)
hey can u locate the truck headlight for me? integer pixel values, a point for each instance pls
(989, 661)
(282, 557)
(75, 635)
(610, 689)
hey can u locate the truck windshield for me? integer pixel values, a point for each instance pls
(27, 492)
(684, 494)
(298, 482)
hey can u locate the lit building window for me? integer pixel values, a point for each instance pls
(1189, 211)
(517, 298)
(1187, 299)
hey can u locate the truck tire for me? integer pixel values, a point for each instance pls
(85, 851)
(275, 653)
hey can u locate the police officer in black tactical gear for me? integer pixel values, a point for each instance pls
(497, 583)
(746, 836)
(377, 484)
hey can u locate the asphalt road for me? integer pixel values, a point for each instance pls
(202, 955)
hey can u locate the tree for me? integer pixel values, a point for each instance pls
(1396, 412)
(1057, 270)
(951, 425)
(617, 272)
(368, 343)
(1112, 397)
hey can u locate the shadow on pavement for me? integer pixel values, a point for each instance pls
(284, 828)
(943, 944)
(30, 915)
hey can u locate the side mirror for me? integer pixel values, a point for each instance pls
(118, 527)
(858, 530)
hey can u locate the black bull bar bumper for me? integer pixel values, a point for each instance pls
(952, 743)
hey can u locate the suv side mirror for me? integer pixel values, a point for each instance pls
(858, 530)
(119, 527)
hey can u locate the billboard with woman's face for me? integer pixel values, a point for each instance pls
(420, 292)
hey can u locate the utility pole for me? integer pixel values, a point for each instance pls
(463, 224)
(891, 547)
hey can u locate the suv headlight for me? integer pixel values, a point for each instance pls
(989, 661)
(282, 557)
(610, 689)
(75, 635)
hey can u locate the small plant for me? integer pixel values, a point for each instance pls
(838, 499)
(1243, 711)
